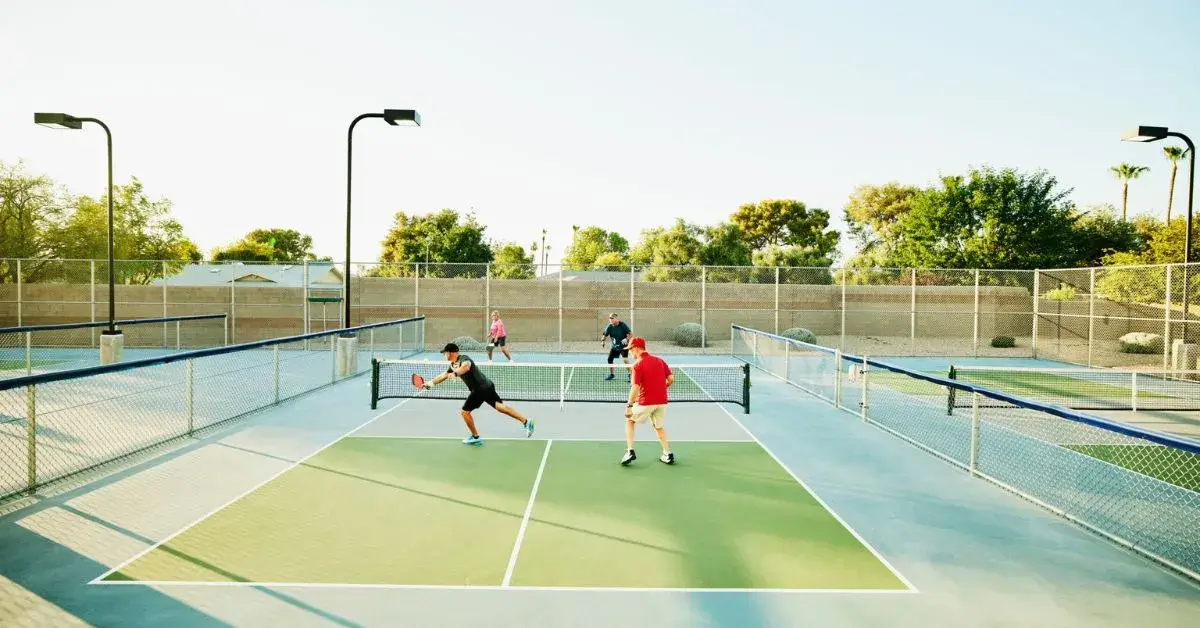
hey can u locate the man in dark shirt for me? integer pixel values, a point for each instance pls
(481, 391)
(619, 332)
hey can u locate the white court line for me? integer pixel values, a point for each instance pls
(824, 505)
(467, 587)
(98, 579)
(512, 559)
(584, 439)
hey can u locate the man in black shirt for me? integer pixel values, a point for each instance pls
(482, 391)
(619, 332)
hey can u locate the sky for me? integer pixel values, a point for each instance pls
(623, 114)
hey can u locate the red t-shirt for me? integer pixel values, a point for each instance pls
(650, 374)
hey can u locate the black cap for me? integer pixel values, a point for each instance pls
(450, 348)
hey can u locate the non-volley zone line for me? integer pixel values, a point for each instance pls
(726, 517)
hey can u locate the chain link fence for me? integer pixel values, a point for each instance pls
(1129, 316)
(1136, 487)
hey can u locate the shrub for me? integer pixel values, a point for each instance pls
(467, 343)
(1004, 342)
(688, 335)
(1141, 342)
(800, 334)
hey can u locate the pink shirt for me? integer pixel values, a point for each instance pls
(497, 329)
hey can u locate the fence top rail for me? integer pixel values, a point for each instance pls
(58, 376)
(1020, 402)
(125, 322)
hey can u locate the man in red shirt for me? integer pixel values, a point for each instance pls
(647, 398)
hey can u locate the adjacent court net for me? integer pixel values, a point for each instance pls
(1082, 389)
(694, 383)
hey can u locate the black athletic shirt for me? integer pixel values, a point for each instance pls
(473, 378)
(617, 332)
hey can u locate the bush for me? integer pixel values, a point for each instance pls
(467, 343)
(1004, 342)
(1141, 342)
(688, 335)
(800, 334)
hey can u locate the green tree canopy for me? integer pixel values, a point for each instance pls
(455, 245)
(270, 245)
(873, 214)
(784, 222)
(33, 212)
(589, 243)
(509, 261)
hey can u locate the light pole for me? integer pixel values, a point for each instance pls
(394, 117)
(1153, 134)
(64, 121)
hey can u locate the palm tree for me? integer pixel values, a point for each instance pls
(1173, 154)
(1127, 173)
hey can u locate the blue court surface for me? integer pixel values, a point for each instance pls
(965, 552)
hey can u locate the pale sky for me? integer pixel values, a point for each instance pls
(544, 114)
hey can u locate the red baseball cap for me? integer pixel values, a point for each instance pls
(637, 343)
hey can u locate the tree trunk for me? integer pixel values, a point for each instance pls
(1124, 200)
(1171, 193)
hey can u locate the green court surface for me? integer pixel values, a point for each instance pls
(1173, 466)
(429, 512)
(1040, 385)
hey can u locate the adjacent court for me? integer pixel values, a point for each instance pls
(431, 512)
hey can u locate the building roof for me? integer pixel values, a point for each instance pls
(320, 275)
(591, 275)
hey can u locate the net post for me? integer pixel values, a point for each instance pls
(912, 313)
(1091, 312)
(190, 396)
(862, 404)
(275, 359)
(975, 322)
(1037, 296)
(703, 307)
(31, 436)
(374, 383)
(952, 393)
(745, 388)
(1167, 322)
(837, 378)
(974, 432)
(29, 353)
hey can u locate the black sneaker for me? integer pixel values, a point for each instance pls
(628, 457)
(667, 458)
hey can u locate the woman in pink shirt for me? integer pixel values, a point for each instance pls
(496, 337)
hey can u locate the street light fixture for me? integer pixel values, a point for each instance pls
(1153, 134)
(394, 117)
(64, 121)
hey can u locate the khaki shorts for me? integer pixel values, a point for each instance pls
(655, 413)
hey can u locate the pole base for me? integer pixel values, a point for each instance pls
(112, 345)
(346, 355)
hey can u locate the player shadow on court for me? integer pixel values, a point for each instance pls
(43, 431)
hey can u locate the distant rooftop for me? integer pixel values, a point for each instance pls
(320, 274)
(591, 275)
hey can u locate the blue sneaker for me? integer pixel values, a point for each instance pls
(528, 427)
(610, 376)
(472, 440)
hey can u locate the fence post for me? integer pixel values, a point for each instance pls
(703, 307)
(190, 394)
(1134, 391)
(865, 386)
(776, 299)
(92, 283)
(371, 341)
(31, 436)
(837, 378)
(561, 340)
(912, 314)
(232, 314)
(1167, 306)
(975, 322)
(1091, 313)
(842, 342)
(304, 296)
(974, 432)
(1037, 296)
(20, 296)
(332, 357)
(275, 358)
(417, 289)
(166, 326)
(29, 353)
(787, 361)
(178, 335)
(632, 280)
(487, 297)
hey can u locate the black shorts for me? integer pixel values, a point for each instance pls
(477, 398)
(500, 341)
(615, 353)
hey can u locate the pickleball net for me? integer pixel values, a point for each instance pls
(561, 382)
(1082, 388)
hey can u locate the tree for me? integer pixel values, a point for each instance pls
(1098, 233)
(988, 219)
(454, 245)
(589, 243)
(32, 214)
(613, 261)
(1173, 154)
(784, 222)
(509, 261)
(673, 251)
(1126, 173)
(244, 250)
(874, 212)
(270, 245)
(143, 229)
